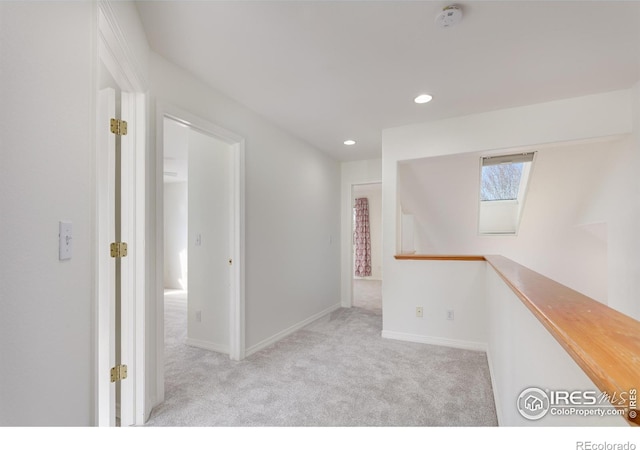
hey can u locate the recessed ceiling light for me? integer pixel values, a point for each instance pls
(423, 98)
(349, 142)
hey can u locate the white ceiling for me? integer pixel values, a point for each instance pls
(327, 71)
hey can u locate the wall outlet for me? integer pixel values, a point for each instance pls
(198, 240)
(450, 314)
(198, 316)
(418, 311)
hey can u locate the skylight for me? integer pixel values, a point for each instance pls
(503, 184)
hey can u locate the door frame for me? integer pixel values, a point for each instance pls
(114, 52)
(349, 270)
(237, 201)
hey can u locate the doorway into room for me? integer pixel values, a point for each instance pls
(198, 236)
(200, 243)
(366, 227)
(176, 229)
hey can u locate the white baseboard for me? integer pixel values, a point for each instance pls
(208, 345)
(496, 395)
(432, 340)
(286, 332)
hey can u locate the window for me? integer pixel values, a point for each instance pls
(503, 185)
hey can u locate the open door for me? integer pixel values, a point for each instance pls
(115, 288)
(120, 164)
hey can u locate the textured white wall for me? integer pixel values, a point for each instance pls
(437, 287)
(624, 245)
(588, 117)
(292, 208)
(563, 231)
(47, 306)
(176, 210)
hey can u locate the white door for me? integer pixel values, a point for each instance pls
(115, 299)
(209, 247)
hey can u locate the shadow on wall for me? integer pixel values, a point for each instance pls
(563, 230)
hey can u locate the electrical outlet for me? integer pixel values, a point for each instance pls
(198, 316)
(418, 311)
(450, 314)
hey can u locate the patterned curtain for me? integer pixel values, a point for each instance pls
(362, 238)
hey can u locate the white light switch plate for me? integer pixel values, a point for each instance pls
(65, 240)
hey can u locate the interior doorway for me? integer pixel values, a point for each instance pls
(197, 233)
(176, 230)
(200, 246)
(366, 252)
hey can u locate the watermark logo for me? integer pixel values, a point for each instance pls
(533, 403)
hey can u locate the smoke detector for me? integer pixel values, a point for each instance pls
(449, 16)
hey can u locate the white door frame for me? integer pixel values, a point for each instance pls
(352, 201)
(114, 53)
(236, 292)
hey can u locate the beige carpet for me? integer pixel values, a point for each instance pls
(337, 371)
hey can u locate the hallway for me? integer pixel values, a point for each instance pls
(337, 371)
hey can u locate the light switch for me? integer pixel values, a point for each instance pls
(65, 240)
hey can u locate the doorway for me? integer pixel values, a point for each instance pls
(197, 234)
(366, 251)
(200, 243)
(176, 231)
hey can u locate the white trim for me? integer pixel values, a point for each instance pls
(433, 340)
(494, 388)
(219, 348)
(292, 329)
(114, 52)
(105, 271)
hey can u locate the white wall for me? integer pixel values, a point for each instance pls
(176, 208)
(373, 193)
(47, 320)
(590, 117)
(437, 287)
(523, 354)
(563, 231)
(514, 335)
(624, 245)
(352, 173)
(292, 209)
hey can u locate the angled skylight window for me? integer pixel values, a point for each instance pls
(503, 185)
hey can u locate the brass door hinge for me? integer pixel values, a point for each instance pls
(118, 249)
(118, 373)
(119, 127)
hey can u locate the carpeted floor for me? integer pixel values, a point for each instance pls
(337, 371)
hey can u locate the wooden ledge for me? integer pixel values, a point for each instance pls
(441, 257)
(604, 342)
